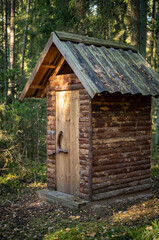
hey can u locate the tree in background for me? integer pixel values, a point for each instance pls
(25, 37)
(135, 22)
(25, 28)
(12, 33)
(143, 27)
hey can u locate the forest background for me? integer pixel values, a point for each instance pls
(25, 27)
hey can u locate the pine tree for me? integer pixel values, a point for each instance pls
(25, 36)
(143, 27)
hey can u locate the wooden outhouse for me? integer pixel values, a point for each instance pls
(98, 115)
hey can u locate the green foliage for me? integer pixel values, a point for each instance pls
(151, 232)
(89, 231)
(155, 159)
(22, 132)
(155, 170)
(23, 125)
(16, 176)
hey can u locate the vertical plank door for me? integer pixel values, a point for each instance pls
(67, 121)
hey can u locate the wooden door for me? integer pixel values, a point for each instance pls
(67, 121)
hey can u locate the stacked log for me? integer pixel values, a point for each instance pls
(51, 138)
(121, 144)
(85, 147)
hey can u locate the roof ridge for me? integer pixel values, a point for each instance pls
(65, 36)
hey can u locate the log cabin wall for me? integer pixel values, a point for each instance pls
(121, 143)
(51, 137)
(85, 145)
(70, 82)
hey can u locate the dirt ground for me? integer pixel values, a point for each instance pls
(23, 216)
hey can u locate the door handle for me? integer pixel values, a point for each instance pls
(59, 149)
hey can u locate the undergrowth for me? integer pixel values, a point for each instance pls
(137, 222)
(17, 176)
(102, 231)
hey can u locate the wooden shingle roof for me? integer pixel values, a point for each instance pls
(100, 65)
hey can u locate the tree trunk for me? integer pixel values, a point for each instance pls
(105, 17)
(25, 36)
(5, 50)
(152, 32)
(11, 80)
(157, 36)
(135, 22)
(12, 34)
(2, 34)
(143, 27)
(37, 143)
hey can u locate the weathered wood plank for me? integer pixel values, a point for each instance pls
(43, 54)
(127, 56)
(51, 142)
(65, 77)
(109, 67)
(93, 41)
(77, 69)
(121, 142)
(121, 170)
(36, 87)
(74, 142)
(48, 66)
(122, 185)
(121, 176)
(87, 68)
(97, 67)
(117, 181)
(85, 158)
(68, 87)
(127, 190)
(120, 165)
(67, 166)
(112, 159)
(57, 69)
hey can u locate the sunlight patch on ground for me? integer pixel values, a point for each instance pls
(37, 185)
(147, 209)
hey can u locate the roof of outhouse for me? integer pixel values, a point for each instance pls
(100, 65)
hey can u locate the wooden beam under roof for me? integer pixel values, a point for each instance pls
(48, 66)
(36, 87)
(57, 69)
(37, 67)
(63, 36)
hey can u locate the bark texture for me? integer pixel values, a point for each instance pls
(12, 34)
(143, 27)
(121, 145)
(25, 36)
(135, 22)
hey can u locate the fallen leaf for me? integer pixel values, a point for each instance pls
(92, 234)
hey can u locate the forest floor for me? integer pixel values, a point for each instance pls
(23, 216)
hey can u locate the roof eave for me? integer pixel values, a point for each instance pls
(75, 66)
(37, 67)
